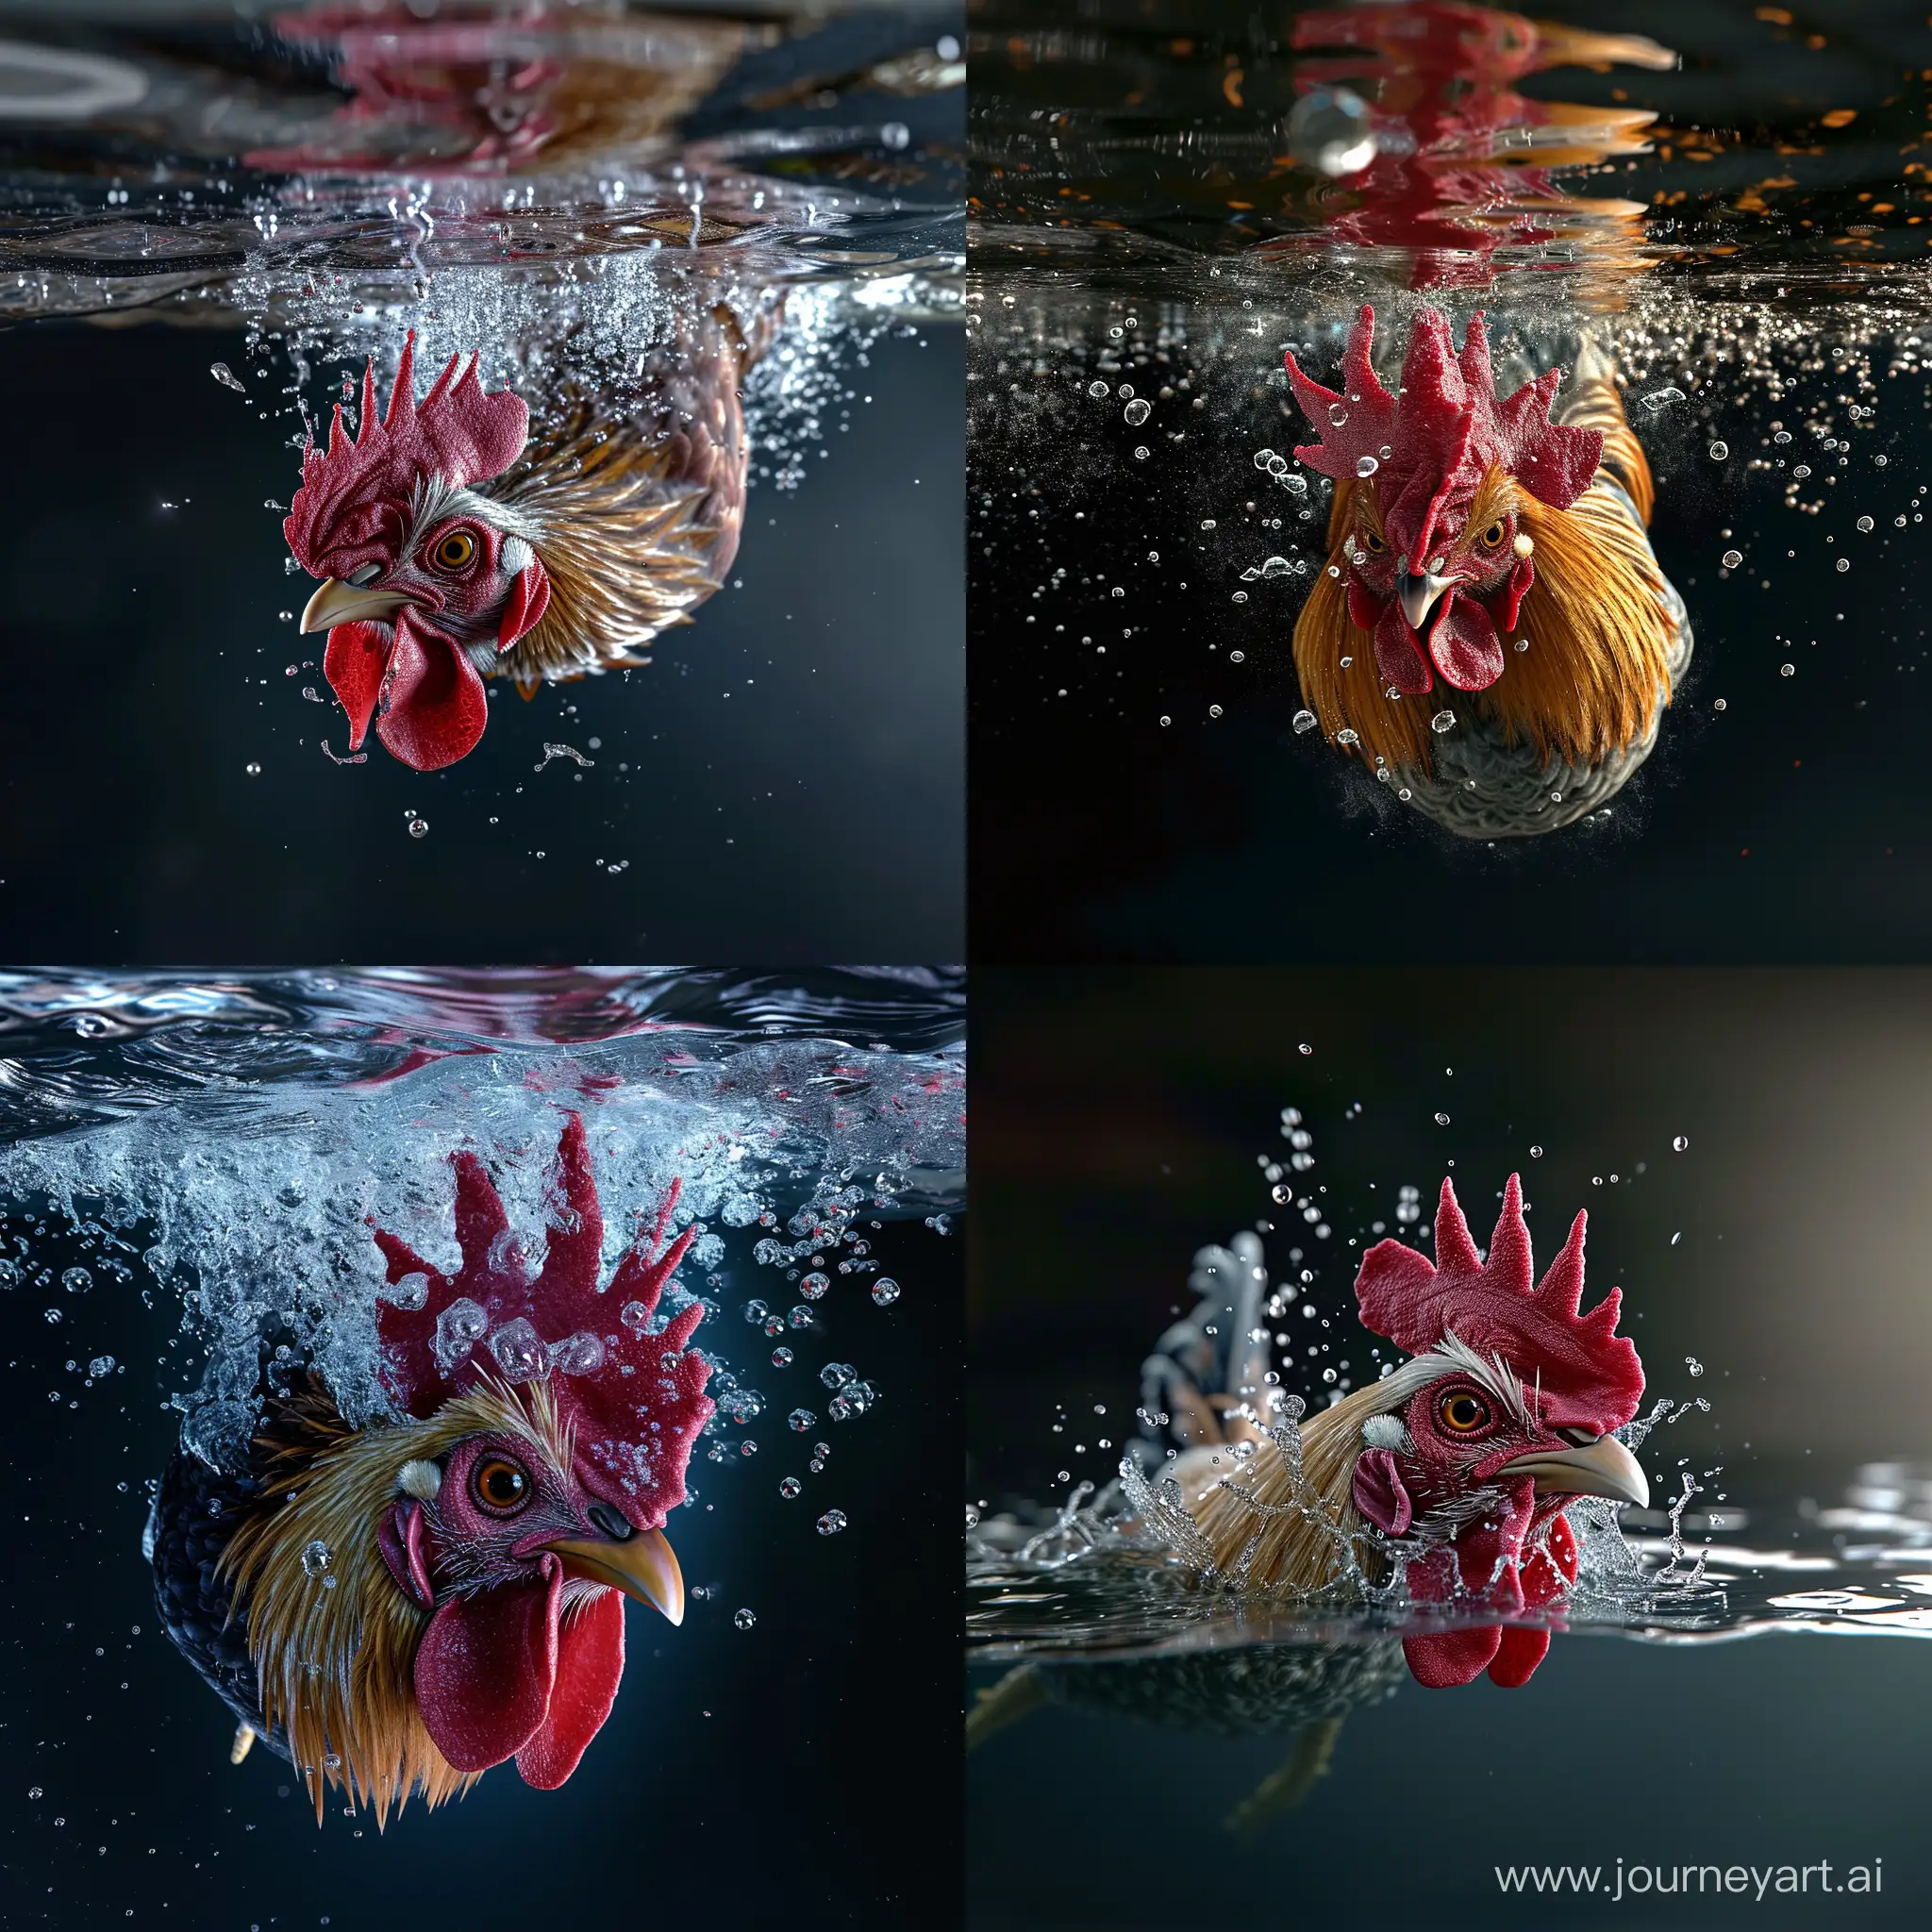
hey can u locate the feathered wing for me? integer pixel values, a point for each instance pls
(638, 498)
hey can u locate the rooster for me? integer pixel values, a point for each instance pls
(398, 1608)
(1500, 550)
(1458, 1465)
(455, 545)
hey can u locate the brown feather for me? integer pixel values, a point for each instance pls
(637, 500)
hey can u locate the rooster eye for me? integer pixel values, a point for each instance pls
(455, 550)
(1376, 544)
(500, 1485)
(1463, 1412)
(1492, 536)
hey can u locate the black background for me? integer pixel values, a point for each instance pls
(815, 814)
(805, 1772)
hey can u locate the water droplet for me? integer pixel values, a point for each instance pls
(1732, 558)
(635, 1317)
(1346, 736)
(1719, 451)
(419, 828)
(1097, 391)
(1441, 1120)
(1844, 563)
(1208, 523)
(1336, 414)
(1787, 670)
(885, 1291)
(1864, 523)
(1304, 721)
(1263, 457)
(1680, 1141)
(743, 1619)
(814, 1286)
(781, 1357)
(1717, 705)
(226, 377)
(101, 1365)
(519, 1350)
(76, 1280)
(831, 1523)
(1695, 1366)
(790, 1488)
(1366, 466)
(316, 1559)
(1136, 412)
(1442, 721)
(582, 1353)
(801, 1419)
(1141, 452)
(1536, 1153)
(34, 1791)
(1661, 398)
(1305, 1047)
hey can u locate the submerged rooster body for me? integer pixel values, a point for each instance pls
(456, 545)
(399, 1607)
(1487, 559)
(1457, 1466)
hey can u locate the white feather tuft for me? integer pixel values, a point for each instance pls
(422, 1480)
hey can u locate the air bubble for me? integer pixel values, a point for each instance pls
(1732, 558)
(1136, 412)
(1442, 721)
(1304, 721)
(1719, 451)
(743, 1619)
(831, 1523)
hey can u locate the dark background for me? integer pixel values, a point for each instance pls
(1118, 1114)
(1791, 828)
(803, 1772)
(816, 814)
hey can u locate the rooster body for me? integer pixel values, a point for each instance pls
(1490, 560)
(1457, 1466)
(456, 544)
(398, 1608)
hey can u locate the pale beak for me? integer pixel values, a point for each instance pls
(1605, 1468)
(1416, 595)
(643, 1566)
(338, 603)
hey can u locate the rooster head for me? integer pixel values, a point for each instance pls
(425, 579)
(1438, 562)
(477, 1551)
(1500, 1420)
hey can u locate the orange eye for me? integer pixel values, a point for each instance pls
(1492, 536)
(500, 1485)
(455, 550)
(1462, 1412)
(1374, 542)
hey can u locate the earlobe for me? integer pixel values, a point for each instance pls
(529, 597)
(1380, 1495)
(399, 1540)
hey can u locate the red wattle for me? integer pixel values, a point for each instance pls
(354, 662)
(1464, 643)
(1521, 1649)
(434, 708)
(485, 1669)
(1445, 1659)
(1398, 658)
(590, 1666)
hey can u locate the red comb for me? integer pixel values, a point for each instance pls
(637, 1400)
(457, 432)
(1589, 1375)
(1443, 433)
